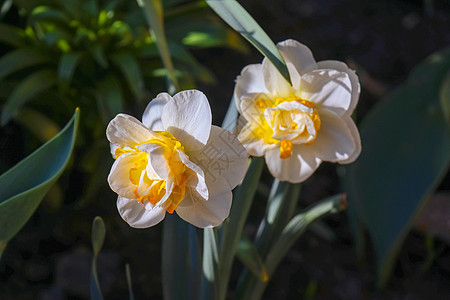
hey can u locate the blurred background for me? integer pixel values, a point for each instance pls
(97, 55)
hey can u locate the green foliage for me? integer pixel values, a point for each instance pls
(406, 153)
(249, 256)
(180, 259)
(241, 21)
(253, 287)
(99, 56)
(97, 237)
(24, 186)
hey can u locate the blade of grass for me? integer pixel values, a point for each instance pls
(242, 200)
(153, 11)
(290, 234)
(241, 21)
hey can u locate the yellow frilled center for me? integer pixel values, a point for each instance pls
(294, 124)
(147, 186)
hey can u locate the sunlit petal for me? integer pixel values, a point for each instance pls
(188, 117)
(137, 216)
(152, 114)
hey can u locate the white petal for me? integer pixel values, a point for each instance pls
(342, 67)
(250, 111)
(254, 145)
(274, 81)
(112, 149)
(195, 179)
(223, 158)
(298, 58)
(251, 80)
(119, 176)
(337, 141)
(135, 214)
(157, 166)
(296, 168)
(152, 114)
(188, 117)
(328, 89)
(209, 213)
(125, 130)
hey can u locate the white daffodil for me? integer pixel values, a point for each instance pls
(175, 160)
(298, 126)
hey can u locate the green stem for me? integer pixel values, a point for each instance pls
(233, 227)
(290, 234)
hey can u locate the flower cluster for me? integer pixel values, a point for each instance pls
(298, 126)
(175, 160)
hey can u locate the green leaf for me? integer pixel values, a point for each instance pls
(129, 282)
(178, 265)
(11, 35)
(405, 155)
(241, 21)
(231, 117)
(23, 186)
(153, 11)
(20, 59)
(28, 88)
(4, 9)
(209, 287)
(110, 96)
(249, 256)
(98, 234)
(290, 234)
(98, 237)
(67, 66)
(131, 71)
(45, 13)
(281, 206)
(242, 200)
(99, 55)
(194, 68)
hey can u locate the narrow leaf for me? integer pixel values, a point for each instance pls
(293, 230)
(99, 55)
(210, 264)
(110, 96)
(129, 282)
(20, 59)
(231, 117)
(280, 209)
(23, 186)
(242, 200)
(67, 66)
(176, 270)
(249, 256)
(46, 13)
(153, 11)
(98, 234)
(131, 71)
(241, 21)
(28, 88)
(97, 237)
(11, 35)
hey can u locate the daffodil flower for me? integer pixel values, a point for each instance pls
(298, 126)
(175, 160)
